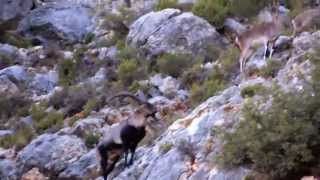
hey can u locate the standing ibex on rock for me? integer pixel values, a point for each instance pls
(125, 136)
(262, 34)
(305, 19)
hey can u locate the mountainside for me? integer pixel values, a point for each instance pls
(61, 61)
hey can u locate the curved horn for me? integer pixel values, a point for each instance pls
(134, 97)
(126, 94)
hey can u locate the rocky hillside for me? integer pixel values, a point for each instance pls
(60, 62)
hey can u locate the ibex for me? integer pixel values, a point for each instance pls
(305, 19)
(126, 135)
(262, 34)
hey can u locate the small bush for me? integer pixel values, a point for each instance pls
(15, 40)
(89, 38)
(91, 140)
(5, 61)
(208, 88)
(129, 71)
(174, 64)
(126, 52)
(253, 90)
(271, 69)
(193, 75)
(19, 139)
(92, 105)
(164, 4)
(13, 105)
(77, 98)
(248, 8)
(136, 86)
(165, 147)
(44, 121)
(67, 72)
(214, 11)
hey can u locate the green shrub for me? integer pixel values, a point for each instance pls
(164, 4)
(126, 52)
(13, 105)
(67, 72)
(44, 121)
(279, 141)
(89, 38)
(77, 98)
(165, 147)
(208, 88)
(91, 140)
(214, 11)
(129, 71)
(91, 105)
(295, 6)
(174, 64)
(229, 61)
(19, 139)
(15, 40)
(136, 86)
(5, 61)
(271, 69)
(248, 8)
(253, 90)
(194, 75)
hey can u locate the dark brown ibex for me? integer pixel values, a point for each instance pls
(125, 136)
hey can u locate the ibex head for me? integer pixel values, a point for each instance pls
(146, 110)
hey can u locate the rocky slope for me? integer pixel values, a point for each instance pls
(59, 61)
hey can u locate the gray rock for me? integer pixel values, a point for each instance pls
(88, 125)
(171, 31)
(8, 170)
(14, 9)
(167, 85)
(7, 86)
(62, 21)
(85, 168)
(17, 72)
(44, 83)
(50, 153)
(235, 174)
(234, 26)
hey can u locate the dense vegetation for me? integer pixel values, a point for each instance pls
(280, 139)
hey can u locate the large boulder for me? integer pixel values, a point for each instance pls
(58, 21)
(171, 31)
(51, 153)
(14, 9)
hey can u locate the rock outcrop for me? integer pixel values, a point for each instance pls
(70, 22)
(14, 9)
(171, 31)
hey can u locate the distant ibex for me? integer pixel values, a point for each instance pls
(261, 34)
(125, 136)
(305, 19)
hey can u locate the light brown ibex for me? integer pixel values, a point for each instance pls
(264, 34)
